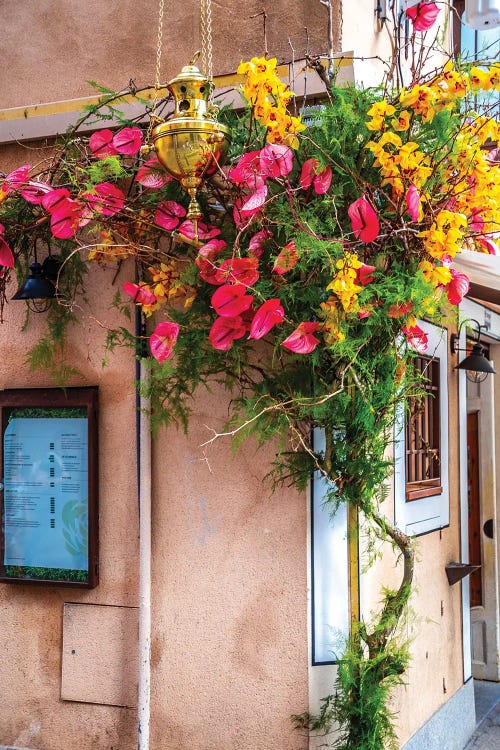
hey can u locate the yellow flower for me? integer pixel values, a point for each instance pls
(402, 121)
(378, 112)
(435, 275)
(421, 99)
(480, 79)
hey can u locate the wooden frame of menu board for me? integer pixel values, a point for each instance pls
(49, 490)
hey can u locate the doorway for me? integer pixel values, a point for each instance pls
(482, 514)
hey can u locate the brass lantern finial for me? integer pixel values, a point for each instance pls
(192, 144)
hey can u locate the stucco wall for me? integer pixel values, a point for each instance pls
(229, 560)
(54, 47)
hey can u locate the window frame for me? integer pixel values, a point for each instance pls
(431, 510)
(49, 398)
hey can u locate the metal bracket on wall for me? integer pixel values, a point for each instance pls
(456, 571)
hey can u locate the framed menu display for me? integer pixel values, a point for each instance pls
(49, 503)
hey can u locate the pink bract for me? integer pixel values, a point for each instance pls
(276, 160)
(238, 271)
(168, 214)
(247, 171)
(320, 179)
(302, 341)
(417, 338)
(205, 231)
(286, 259)
(423, 15)
(364, 220)
(17, 178)
(152, 175)
(364, 275)
(101, 144)
(230, 300)
(139, 294)
(163, 340)
(257, 241)
(33, 192)
(413, 202)
(268, 315)
(457, 287)
(6, 255)
(226, 330)
(128, 141)
(106, 199)
(254, 203)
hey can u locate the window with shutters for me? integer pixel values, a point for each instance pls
(422, 438)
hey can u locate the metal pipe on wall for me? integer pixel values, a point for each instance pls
(143, 439)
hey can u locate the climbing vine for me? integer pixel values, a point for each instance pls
(301, 292)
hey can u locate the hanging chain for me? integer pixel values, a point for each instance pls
(206, 43)
(159, 45)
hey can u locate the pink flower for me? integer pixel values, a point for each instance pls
(490, 246)
(152, 175)
(276, 160)
(247, 171)
(139, 294)
(6, 255)
(163, 339)
(33, 192)
(66, 214)
(204, 260)
(286, 259)
(106, 199)
(65, 221)
(205, 231)
(312, 174)
(238, 271)
(230, 300)
(457, 287)
(417, 338)
(257, 241)
(101, 144)
(268, 315)
(168, 214)
(254, 203)
(54, 199)
(128, 141)
(226, 330)
(423, 15)
(364, 275)
(17, 178)
(302, 341)
(413, 202)
(364, 220)
(476, 221)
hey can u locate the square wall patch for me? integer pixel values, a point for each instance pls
(100, 654)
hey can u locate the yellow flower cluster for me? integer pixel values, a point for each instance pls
(269, 98)
(445, 234)
(167, 286)
(400, 164)
(108, 250)
(344, 283)
(427, 99)
(330, 327)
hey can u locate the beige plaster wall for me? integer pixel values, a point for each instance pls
(54, 47)
(434, 626)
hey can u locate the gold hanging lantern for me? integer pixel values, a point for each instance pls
(192, 144)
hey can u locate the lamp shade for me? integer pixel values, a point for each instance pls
(477, 362)
(36, 287)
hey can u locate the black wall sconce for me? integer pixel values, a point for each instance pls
(476, 365)
(39, 290)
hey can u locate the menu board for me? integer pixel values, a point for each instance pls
(45, 493)
(49, 530)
